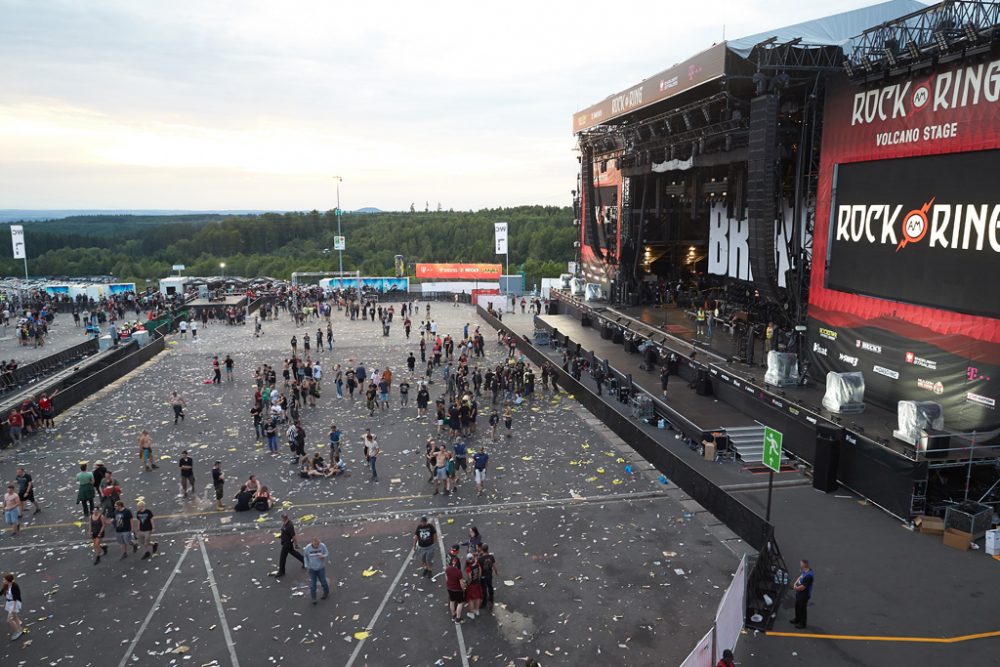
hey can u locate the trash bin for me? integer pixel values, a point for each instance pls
(993, 542)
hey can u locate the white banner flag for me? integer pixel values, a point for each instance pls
(500, 236)
(17, 241)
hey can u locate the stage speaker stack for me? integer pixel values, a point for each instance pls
(761, 192)
(703, 385)
(827, 458)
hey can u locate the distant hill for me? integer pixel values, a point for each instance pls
(30, 215)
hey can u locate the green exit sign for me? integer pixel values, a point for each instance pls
(772, 449)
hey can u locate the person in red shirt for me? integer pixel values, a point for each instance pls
(45, 407)
(726, 660)
(16, 423)
(454, 581)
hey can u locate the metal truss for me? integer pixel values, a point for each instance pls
(960, 27)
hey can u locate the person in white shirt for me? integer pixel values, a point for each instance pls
(317, 374)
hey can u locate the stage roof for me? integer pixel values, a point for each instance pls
(836, 30)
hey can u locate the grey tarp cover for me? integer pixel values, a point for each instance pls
(836, 30)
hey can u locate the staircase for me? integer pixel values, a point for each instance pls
(748, 443)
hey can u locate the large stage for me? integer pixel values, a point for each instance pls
(890, 473)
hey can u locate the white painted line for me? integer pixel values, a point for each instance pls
(458, 626)
(218, 603)
(381, 607)
(156, 605)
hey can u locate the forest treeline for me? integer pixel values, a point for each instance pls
(137, 248)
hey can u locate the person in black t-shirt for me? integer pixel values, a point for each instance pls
(288, 544)
(424, 541)
(144, 530)
(186, 464)
(243, 498)
(123, 521)
(218, 483)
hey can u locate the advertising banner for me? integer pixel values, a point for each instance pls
(921, 230)
(500, 237)
(708, 65)
(460, 271)
(908, 229)
(17, 241)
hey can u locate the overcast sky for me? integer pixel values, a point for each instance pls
(256, 105)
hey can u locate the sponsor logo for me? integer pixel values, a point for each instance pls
(931, 385)
(828, 334)
(868, 347)
(951, 89)
(847, 359)
(850, 438)
(668, 84)
(777, 404)
(819, 349)
(981, 400)
(958, 226)
(626, 101)
(929, 364)
(724, 377)
(811, 420)
(888, 372)
(794, 411)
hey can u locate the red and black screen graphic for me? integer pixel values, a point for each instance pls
(922, 230)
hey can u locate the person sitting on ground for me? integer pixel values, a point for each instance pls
(243, 499)
(262, 500)
(338, 468)
(252, 484)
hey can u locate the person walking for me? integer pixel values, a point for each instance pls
(229, 364)
(124, 526)
(216, 371)
(146, 451)
(186, 465)
(803, 592)
(480, 461)
(144, 530)
(85, 492)
(288, 546)
(177, 402)
(315, 555)
(97, 525)
(372, 452)
(12, 510)
(26, 489)
(12, 605)
(664, 379)
(424, 542)
(218, 483)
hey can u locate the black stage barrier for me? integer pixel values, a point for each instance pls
(743, 521)
(37, 370)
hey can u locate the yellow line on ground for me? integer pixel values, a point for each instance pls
(878, 638)
(182, 515)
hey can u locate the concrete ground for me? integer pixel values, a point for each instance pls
(874, 578)
(595, 563)
(62, 334)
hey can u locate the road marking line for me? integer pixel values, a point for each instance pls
(392, 513)
(458, 626)
(156, 605)
(381, 607)
(877, 638)
(218, 603)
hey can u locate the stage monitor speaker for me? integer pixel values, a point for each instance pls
(703, 385)
(762, 163)
(826, 459)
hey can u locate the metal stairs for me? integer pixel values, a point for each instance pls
(747, 442)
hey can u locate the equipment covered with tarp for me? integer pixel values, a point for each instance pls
(845, 393)
(782, 369)
(916, 417)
